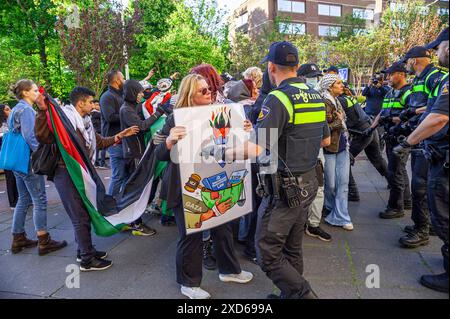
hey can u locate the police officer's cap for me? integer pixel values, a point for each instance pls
(396, 67)
(443, 36)
(332, 69)
(309, 70)
(415, 52)
(282, 53)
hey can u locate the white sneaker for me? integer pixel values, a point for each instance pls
(348, 226)
(242, 278)
(195, 292)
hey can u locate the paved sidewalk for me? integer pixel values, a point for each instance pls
(144, 267)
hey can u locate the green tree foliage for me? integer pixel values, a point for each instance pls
(182, 47)
(155, 24)
(96, 45)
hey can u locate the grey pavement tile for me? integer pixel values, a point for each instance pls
(433, 262)
(106, 284)
(398, 268)
(401, 293)
(328, 289)
(11, 295)
(30, 274)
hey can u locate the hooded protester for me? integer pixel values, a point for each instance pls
(131, 115)
(243, 90)
(134, 146)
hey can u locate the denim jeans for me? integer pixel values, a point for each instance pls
(337, 170)
(31, 190)
(118, 172)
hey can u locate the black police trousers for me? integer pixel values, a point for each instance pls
(189, 256)
(438, 204)
(419, 168)
(371, 146)
(279, 237)
(398, 179)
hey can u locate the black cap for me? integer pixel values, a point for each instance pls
(415, 52)
(309, 70)
(332, 69)
(396, 67)
(282, 53)
(443, 36)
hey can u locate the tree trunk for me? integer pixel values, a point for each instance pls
(44, 62)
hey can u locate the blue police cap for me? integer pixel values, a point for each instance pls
(415, 52)
(396, 67)
(282, 53)
(443, 36)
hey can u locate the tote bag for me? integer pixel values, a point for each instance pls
(15, 152)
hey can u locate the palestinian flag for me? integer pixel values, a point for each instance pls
(108, 215)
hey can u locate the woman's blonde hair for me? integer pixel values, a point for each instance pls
(188, 88)
(254, 73)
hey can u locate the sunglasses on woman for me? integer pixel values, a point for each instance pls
(205, 91)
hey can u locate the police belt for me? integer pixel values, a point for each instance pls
(273, 182)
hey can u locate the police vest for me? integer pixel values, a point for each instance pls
(299, 146)
(420, 91)
(441, 138)
(395, 101)
(356, 117)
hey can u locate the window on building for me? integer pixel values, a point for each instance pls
(329, 31)
(242, 20)
(329, 10)
(291, 6)
(360, 31)
(292, 28)
(443, 11)
(366, 14)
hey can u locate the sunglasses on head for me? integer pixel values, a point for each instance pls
(205, 91)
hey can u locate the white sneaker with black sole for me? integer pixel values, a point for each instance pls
(195, 292)
(242, 278)
(96, 265)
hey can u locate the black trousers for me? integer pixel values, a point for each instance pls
(419, 167)
(11, 188)
(189, 258)
(371, 146)
(279, 238)
(398, 179)
(438, 204)
(79, 216)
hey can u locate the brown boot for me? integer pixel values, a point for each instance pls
(20, 241)
(48, 245)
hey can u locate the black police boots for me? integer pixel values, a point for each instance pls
(416, 238)
(436, 282)
(390, 213)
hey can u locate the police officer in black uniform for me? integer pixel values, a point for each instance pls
(434, 131)
(418, 62)
(299, 114)
(394, 103)
(295, 115)
(363, 137)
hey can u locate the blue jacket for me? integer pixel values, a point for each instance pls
(374, 99)
(23, 117)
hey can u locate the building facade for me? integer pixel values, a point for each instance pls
(314, 17)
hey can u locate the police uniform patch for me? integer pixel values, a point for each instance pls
(445, 89)
(263, 114)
